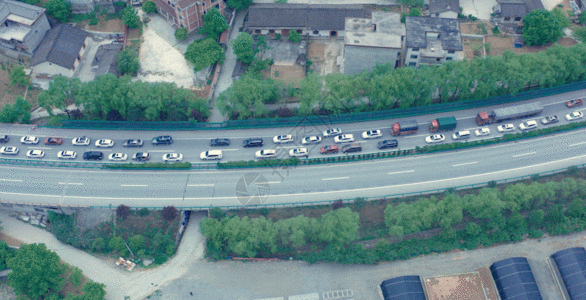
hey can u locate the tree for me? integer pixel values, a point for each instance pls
(180, 33)
(536, 218)
(576, 209)
(339, 227)
(91, 291)
(60, 95)
(415, 12)
(582, 17)
(213, 24)
(169, 213)
(99, 244)
(117, 243)
(35, 271)
(75, 276)
(130, 17)
(59, 9)
(294, 37)
(149, 7)
(242, 47)
(136, 242)
(6, 253)
(17, 76)
(239, 4)
(580, 32)
(561, 17)
(122, 211)
(541, 27)
(248, 96)
(19, 112)
(128, 62)
(202, 53)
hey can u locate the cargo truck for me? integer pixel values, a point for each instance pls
(508, 113)
(438, 124)
(405, 127)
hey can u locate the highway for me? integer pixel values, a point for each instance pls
(286, 186)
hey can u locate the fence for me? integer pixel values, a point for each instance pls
(324, 120)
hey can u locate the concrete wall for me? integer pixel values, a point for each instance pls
(285, 32)
(357, 58)
(457, 55)
(51, 70)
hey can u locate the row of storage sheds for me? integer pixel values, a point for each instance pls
(514, 279)
(571, 264)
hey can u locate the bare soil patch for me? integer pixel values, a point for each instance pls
(10, 240)
(288, 73)
(112, 25)
(8, 92)
(324, 56)
(461, 287)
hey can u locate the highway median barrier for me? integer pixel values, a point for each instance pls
(160, 165)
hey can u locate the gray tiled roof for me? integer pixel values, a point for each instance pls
(60, 46)
(21, 9)
(519, 8)
(440, 6)
(312, 17)
(105, 59)
(449, 30)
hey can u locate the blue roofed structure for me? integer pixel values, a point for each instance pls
(403, 288)
(514, 279)
(571, 263)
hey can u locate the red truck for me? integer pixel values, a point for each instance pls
(405, 127)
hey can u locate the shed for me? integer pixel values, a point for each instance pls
(514, 279)
(403, 288)
(571, 263)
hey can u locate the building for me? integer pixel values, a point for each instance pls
(187, 13)
(105, 59)
(312, 20)
(60, 52)
(432, 41)
(22, 26)
(371, 41)
(508, 11)
(444, 8)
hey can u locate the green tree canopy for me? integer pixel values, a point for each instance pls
(203, 53)
(61, 93)
(6, 253)
(214, 23)
(247, 96)
(541, 27)
(17, 113)
(339, 227)
(242, 47)
(180, 34)
(294, 36)
(59, 9)
(561, 17)
(35, 271)
(149, 7)
(17, 76)
(130, 17)
(128, 62)
(239, 4)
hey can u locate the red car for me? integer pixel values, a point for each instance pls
(329, 149)
(54, 141)
(574, 102)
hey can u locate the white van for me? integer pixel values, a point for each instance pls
(211, 155)
(461, 135)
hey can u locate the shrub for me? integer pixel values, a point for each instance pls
(337, 204)
(217, 213)
(181, 34)
(278, 36)
(94, 21)
(75, 276)
(169, 213)
(149, 7)
(143, 212)
(496, 29)
(123, 211)
(99, 244)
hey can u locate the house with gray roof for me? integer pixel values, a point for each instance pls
(22, 26)
(105, 59)
(306, 19)
(60, 51)
(377, 40)
(444, 8)
(432, 41)
(511, 11)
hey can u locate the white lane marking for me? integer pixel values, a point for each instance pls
(168, 151)
(273, 182)
(210, 184)
(410, 171)
(33, 147)
(229, 149)
(572, 145)
(133, 185)
(11, 180)
(337, 178)
(524, 154)
(73, 183)
(464, 164)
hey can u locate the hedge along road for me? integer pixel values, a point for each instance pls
(293, 185)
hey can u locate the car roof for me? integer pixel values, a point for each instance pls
(214, 152)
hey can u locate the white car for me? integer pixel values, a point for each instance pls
(173, 157)
(211, 155)
(283, 139)
(332, 132)
(67, 154)
(344, 138)
(436, 138)
(35, 153)
(574, 116)
(104, 143)
(299, 152)
(505, 128)
(29, 140)
(118, 156)
(372, 134)
(9, 150)
(482, 131)
(266, 153)
(80, 141)
(528, 125)
(314, 139)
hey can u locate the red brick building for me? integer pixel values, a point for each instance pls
(187, 13)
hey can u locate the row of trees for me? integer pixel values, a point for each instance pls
(120, 99)
(205, 52)
(37, 273)
(253, 237)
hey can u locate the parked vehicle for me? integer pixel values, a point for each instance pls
(141, 156)
(482, 131)
(81, 141)
(299, 152)
(329, 149)
(443, 124)
(54, 141)
(118, 156)
(405, 127)
(574, 102)
(219, 142)
(29, 140)
(352, 148)
(461, 135)
(372, 134)
(211, 155)
(332, 132)
(93, 155)
(509, 113)
(9, 150)
(387, 144)
(574, 116)
(172, 157)
(266, 153)
(4, 138)
(314, 139)
(35, 153)
(255, 142)
(344, 138)
(162, 140)
(505, 128)
(67, 154)
(549, 120)
(104, 143)
(132, 143)
(528, 125)
(436, 138)
(283, 139)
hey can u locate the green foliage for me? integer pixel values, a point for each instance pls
(59, 9)
(415, 3)
(213, 24)
(487, 48)
(6, 253)
(294, 36)
(536, 218)
(561, 17)
(150, 7)
(169, 213)
(130, 17)
(580, 32)
(239, 4)
(180, 33)
(496, 29)
(117, 243)
(259, 163)
(482, 27)
(472, 18)
(94, 21)
(136, 242)
(75, 276)
(576, 209)
(278, 36)
(582, 17)
(128, 62)
(217, 213)
(242, 47)
(17, 76)
(247, 97)
(161, 165)
(122, 211)
(203, 53)
(17, 113)
(415, 12)
(541, 27)
(35, 271)
(32, 2)
(403, 17)
(99, 244)
(143, 212)
(93, 291)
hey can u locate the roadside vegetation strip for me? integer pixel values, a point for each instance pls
(261, 163)
(176, 165)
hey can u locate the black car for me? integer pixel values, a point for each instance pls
(255, 142)
(141, 156)
(163, 140)
(4, 139)
(388, 144)
(132, 143)
(220, 142)
(93, 155)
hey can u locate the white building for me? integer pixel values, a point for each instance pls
(432, 41)
(22, 26)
